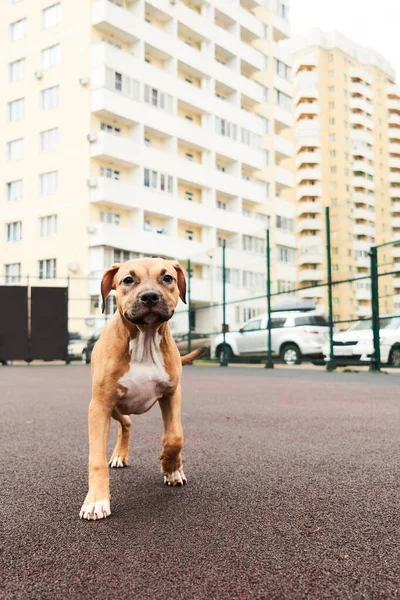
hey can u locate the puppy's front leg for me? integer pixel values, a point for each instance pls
(97, 501)
(172, 439)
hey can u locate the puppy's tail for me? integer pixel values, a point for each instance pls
(189, 358)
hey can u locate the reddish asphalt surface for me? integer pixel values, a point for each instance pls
(293, 490)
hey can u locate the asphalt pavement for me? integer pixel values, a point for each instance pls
(293, 490)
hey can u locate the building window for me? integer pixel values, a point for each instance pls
(282, 69)
(118, 82)
(110, 128)
(282, 100)
(158, 181)
(49, 140)
(14, 231)
(286, 255)
(50, 57)
(111, 42)
(48, 183)
(331, 89)
(285, 223)
(112, 218)
(48, 226)
(252, 244)
(333, 170)
(12, 273)
(15, 149)
(189, 196)
(158, 99)
(225, 128)
(14, 190)
(189, 156)
(110, 173)
(251, 139)
(330, 58)
(284, 285)
(331, 105)
(18, 30)
(232, 276)
(221, 168)
(331, 121)
(16, 109)
(189, 235)
(221, 205)
(331, 73)
(332, 154)
(49, 98)
(147, 142)
(332, 137)
(255, 281)
(51, 15)
(246, 212)
(16, 70)
(282, 10)
(48, 268)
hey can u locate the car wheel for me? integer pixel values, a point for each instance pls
(290, 354)
(394, 358)
(85, 359)
(228, 353)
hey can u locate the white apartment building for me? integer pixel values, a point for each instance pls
(147, 128)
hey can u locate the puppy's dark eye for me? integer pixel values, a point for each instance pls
(128, 280)
(168, 279)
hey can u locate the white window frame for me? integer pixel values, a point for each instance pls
(48, 226)
(47, 268)
(18, 30)
(50, 57)
(50, 98)
(16, 70)
(12, 273)
(16, 109)
(14, 190)
(14, 231)
(110, 218)
(15, 149)
(48, 183)
(49, 140)
(51, 15)
(109, 173)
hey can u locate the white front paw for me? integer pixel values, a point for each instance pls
(95, 510)
(175, 478)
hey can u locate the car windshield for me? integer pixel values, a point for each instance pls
(384, 323)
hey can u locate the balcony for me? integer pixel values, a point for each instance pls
(114, 20)
(363, 294)
(394, 119)
(308, 191)
(365, 215)
(306, 60)
(312, 293)
(362, 182)
(361, 135)
(396, 251)
(362, 262)
(367, 199)
(117, 149)
(311, 258)
(360, 104)
(361, 119)
(363, 166)
(394, 162)
(283, 146)
(309, 225)
(306, 108)
(283, 177)
(394, 134)
(308, 133)
(394, 192)
(309, 208)
(360, 88)
(394, 176)
(307, 158)
(395, 207)
(363, 311)
(310, 243)
(306, 82)
(396, 282)
(308, 174)
(394, 148)
(311, 275)
(358, 149)
(283, 116)
(395, 222)
(364, 75)
(364, 230)
(393, 104)
(362, 246)
(281, 28)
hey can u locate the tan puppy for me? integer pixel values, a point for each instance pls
(135, 363)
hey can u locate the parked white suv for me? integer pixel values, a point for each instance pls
(295, 335)
(355, 345)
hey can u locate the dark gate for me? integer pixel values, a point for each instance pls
(14, 336)
(49, 323)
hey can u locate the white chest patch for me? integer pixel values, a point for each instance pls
(146, 381)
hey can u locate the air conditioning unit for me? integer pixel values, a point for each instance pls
(172, 1)
(92, 182)
(38, 74)
(91, 228)
(73, 267)
(83, 80)
(92, 137)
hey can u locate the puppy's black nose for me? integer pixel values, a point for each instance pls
(149, 298)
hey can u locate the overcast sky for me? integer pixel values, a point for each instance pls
(374, 23)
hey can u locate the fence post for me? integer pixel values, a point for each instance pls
(67, 361)
(331, 364)
(375, 364)
(223, 362)
(269, 364)
(189, 305)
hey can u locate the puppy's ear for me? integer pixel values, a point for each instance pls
(108, 284)
(181, 281)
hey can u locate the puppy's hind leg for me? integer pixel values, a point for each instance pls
(120, 456)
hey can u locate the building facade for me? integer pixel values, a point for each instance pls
(143, 128)
(347, 126)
